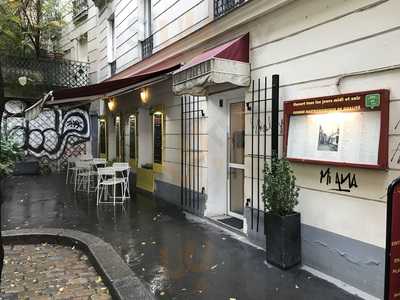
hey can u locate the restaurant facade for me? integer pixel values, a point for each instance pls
(193, 115)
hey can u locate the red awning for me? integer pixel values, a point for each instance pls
(227, 65)
(237, 49)
(109, 86)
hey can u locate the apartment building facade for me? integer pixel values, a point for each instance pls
(175, 84)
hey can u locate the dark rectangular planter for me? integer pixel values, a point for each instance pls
(28, 167)
(283, 240)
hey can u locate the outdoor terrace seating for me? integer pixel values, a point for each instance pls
(110, 183)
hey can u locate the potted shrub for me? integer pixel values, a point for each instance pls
(282, 223)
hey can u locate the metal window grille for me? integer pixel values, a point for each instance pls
(222, 7)
(113, 67)
(79, 9)
(192, 191)
(147, 47)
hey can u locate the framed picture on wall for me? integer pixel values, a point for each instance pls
(344, 130)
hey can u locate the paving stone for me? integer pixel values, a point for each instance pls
(58, 273)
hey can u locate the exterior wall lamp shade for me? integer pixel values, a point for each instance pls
(23, 80)
(112, 104)
(144, 95)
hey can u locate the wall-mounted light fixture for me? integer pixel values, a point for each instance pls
(112, 104)
(144, 95)
(23, 80)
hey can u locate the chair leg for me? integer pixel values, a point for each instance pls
(97, 194)
(128, 189)
(114, 187)
(66, 179)
(123, 190)
(75, 180)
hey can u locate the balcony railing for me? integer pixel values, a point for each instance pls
(222, 7)
(147, 47)
(79, 9)
(43, 75)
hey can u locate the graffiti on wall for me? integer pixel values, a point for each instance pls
(260, 128)
(53, 134)
(339, 181)
(396, 155)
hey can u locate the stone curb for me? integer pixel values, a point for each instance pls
(116, 274)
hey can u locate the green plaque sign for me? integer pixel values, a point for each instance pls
(372, 101)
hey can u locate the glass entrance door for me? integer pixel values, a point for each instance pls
(236, 141)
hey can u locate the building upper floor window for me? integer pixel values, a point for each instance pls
(79, 9)
(147, 39)
(222, 7)
(111, 39)
(82, 48)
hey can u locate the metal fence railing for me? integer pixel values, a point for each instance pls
(222, 7)
(79, 9)
(147, 47)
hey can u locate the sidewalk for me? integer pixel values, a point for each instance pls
(177, 258)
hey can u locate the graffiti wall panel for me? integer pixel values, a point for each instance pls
(52, 137)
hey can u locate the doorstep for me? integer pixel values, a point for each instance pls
(217, 220)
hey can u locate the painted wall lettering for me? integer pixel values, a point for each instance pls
(343, 182)
(397, 125)
(396, 155)
(264, 128)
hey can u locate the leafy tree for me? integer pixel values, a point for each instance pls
(30, 26)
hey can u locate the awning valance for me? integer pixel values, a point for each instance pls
(110, 87)
(226, 64)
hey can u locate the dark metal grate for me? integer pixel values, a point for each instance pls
(50, 73)
(42, 75)
(113, 67)
(147, 47)
(191, 154)
(79, 9)
(264, 125)
(222, 7)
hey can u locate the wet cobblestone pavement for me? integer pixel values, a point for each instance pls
(176, 257)
(49, 272)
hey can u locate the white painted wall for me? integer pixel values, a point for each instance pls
(172, 20)
(218, 123)
(311, 44)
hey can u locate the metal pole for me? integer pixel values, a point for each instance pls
(275, 116)
(258, 153)
(198, 153)
(194, 153)
(265, 127)
(186, 170)
(265, 121)
(252, 153)
(190, 150)
(182, 151)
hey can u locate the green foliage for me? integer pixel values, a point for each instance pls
(280, 194)
(30, 26)
(9, 154)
